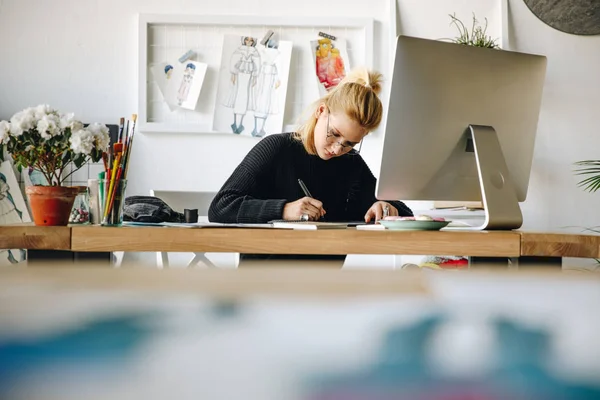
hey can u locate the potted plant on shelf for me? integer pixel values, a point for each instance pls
(46, 140)
(477, 36)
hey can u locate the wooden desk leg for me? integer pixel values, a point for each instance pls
(490, 262)
(67, 257)
(515, 262)
(539, 262)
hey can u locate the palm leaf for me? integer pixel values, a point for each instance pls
(589, 167)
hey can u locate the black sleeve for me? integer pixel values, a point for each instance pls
(238, 200)
(362, 194)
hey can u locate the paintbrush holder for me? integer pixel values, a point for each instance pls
(112, 199)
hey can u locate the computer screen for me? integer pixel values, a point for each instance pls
(441, 93)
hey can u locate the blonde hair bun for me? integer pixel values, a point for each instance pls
(356, 96)
(366, 77)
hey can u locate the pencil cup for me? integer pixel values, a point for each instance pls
(94, 200)
(112, 198)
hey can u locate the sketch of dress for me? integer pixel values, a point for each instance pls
(266, 94)
(9, 214)
(244, 68)
(186, 83)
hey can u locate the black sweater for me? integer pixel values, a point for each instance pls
(268, 176)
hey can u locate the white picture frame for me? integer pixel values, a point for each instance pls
(285, 26)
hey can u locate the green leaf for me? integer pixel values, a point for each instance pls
(79, 160)
(591, 184)
(66, 157)
(589, 167)
(96, 155)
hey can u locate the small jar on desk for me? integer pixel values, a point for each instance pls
(80, 213)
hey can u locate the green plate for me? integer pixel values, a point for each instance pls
(408, 225)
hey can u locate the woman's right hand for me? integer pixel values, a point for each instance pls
(306, 205)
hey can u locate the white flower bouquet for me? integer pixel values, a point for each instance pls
(46, 140)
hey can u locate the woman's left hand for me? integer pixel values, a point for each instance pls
(376, 211)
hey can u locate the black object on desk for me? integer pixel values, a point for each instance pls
(356, 223)
(190, 216)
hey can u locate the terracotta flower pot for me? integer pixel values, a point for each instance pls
(51, 205)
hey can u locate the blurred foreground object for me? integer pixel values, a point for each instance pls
(297, 334)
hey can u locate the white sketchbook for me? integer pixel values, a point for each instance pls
(308, 225)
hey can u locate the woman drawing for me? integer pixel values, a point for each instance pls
(320, 152)
(186, 83)
(244, 68)
(9, 214)
(268, 82)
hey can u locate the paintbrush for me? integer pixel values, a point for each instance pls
(105, 160)
(129, 145)
(123, 150)
(121, 126)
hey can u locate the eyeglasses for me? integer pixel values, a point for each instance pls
(332, 138)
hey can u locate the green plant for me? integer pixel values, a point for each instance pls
(591, 183)
(477, 36)
(592, 169)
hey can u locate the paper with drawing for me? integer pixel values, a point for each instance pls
(252, 86)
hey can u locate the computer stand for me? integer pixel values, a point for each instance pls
(502, 210)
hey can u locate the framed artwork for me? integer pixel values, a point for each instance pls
(288, 89)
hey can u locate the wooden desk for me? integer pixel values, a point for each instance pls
(351, 241)
(541, 244)
(29, 236)
(280, 241)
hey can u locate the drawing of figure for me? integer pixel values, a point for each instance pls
(186, 83)
(265, 102)
(244, 67)
(330, 64)
(168, 71)
(9, 214)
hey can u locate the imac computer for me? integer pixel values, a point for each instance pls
(461, 126)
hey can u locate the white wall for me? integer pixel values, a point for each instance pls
(569, 126)
(80, 56)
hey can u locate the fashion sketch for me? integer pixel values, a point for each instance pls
(179, 83)
(268, 81)
(244, 67)
(252, 85)
(186, 83)
(330, 66)
(10, 213)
